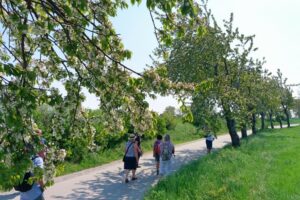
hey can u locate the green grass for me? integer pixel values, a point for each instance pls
(267, 122)
(266, 166)
(183, 132)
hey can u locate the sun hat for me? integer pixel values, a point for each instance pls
(131, 136)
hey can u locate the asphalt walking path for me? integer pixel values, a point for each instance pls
(107, 181)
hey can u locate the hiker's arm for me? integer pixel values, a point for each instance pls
(153, 149)
(42, 186)
(136, 150)
(173, 150)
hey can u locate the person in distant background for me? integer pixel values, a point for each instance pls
(209, 138)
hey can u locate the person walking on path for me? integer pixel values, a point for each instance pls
(209, 138)
(166, 149)
(130, 158)
(156, 152)
(37, 189)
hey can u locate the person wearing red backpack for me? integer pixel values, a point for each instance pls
(156, 151)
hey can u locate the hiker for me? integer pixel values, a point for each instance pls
(156, 152)
(209, 138)
(140, 152)
(37, 189)
(166, 150)
(130, 157)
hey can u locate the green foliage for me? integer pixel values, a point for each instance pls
(296, 107)
(75, 44)
(161, 125)
(265, 167)
(169, 117)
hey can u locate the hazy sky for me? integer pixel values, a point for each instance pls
(274, 22)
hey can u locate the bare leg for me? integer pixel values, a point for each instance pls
(133, 175)
(126, 175)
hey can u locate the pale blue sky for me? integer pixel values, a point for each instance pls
(274, 22)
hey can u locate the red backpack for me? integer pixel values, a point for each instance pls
(156, 147)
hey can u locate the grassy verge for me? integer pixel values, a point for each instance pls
(266, 166)
(183, 132)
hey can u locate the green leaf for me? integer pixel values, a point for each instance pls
(67, 10)
(150, 4)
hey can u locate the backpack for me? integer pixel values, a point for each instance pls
(156, 147)
(165, 153)
(24, 186)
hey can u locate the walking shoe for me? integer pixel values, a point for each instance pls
(157, 172)
(134, 178)
(126, 180)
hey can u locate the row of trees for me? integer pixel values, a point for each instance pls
(73, 42)
(229, 81)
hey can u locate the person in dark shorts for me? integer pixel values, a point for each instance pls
(131, 158)
(156, 152)
(209, 142)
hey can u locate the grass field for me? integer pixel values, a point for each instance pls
(183, 132)
(266, 166)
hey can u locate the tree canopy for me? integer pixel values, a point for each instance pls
(73, 42)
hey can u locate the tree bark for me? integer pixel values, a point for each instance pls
(235, 140)
(287, 117)
(244, 131)
(280, 123)
(253, 123)
(271, 119)
(262, 115)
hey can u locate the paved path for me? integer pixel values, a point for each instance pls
(107, 182)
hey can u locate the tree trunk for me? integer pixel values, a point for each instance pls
(287, 117)
(280, 123)
(262, 114)
(235, 140)
(244, 131)
(271, 119)
(253, 123)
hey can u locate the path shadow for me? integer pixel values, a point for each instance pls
(111, 186)
(9, 196)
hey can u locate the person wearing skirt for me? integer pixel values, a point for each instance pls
(130, 158)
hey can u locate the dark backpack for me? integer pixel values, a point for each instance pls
(24, 186)
(165, 152)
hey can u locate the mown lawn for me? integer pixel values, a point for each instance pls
(266, 166)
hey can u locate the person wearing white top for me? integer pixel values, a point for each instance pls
(209, 142)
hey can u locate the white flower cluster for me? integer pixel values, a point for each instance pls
(61, 154)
